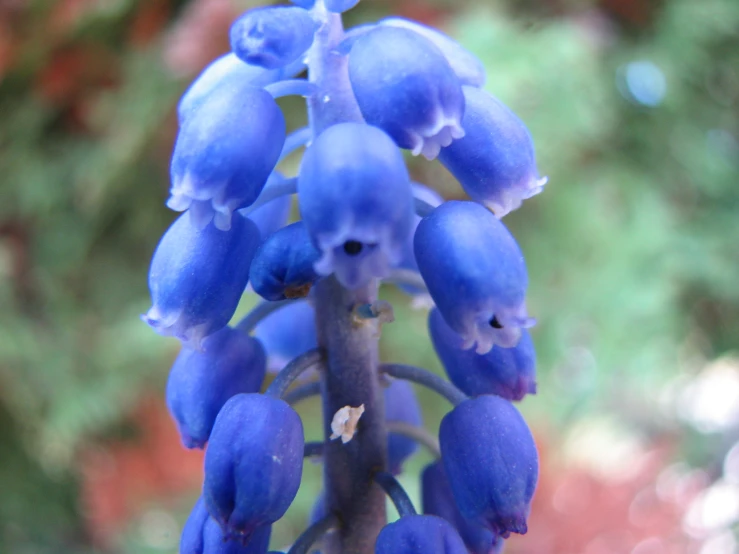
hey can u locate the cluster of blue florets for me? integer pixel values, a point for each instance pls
(362, 219)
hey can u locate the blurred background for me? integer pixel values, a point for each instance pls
(633, 254)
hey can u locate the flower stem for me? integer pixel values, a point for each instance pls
(302, 392)
(293, 370)
(352, 354)
(396, 492)
(260, 312)
(427, 379)
(351, 379)
(416, 433)
(312, 534)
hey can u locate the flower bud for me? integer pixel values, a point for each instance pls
(202, 535)
(356, 202)
(506, 372)
(494, 162)
(221, 72)
(287, 333)
(414, 534)
(201, 382)
(253, 463)
(197, 277)
(404, 85)
(437, 500)
(272, 37)
(490, 459)
(468, 68)
(475, 274)
(283, 265)
(401, 405)
(225, 152)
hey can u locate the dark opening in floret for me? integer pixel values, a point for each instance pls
(495, 324)
(352, 247)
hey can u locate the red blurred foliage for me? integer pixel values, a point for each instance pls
(149, 20)
(118, 479)
(576, 512)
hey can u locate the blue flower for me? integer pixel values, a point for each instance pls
(404, 85)
(253, 464)
(225, 152)
(356, 202)
(468, 68)
(287, 333)
(221, 72)
(401, 405)
(495, 161)
(506, 372)
(272, 37)
(283, 266)
(200, 383)
(416, 534)
(197, 277)
(437, 499)
(475, 274)
(491, 461)
(202, 535)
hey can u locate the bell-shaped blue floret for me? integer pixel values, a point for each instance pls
(201, 382)
(404, 85)
(253, 463)
(225, 151)
(468, 68)
(437, 500)
(272, 37)
(495, 161)
(491, 461)
(402, 406)
(356, 202)
(340, 6)
(202, 535)
(287, 333)
(475, 274)
(283, 266)
(197, 277)
(506, 372)
(228, 68)
(414, 534)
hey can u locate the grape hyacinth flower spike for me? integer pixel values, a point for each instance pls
(415, 534)
(202, 535)
(197, 277)
(253, 464)
(200, 383)
(356, 202)
(506, 372)
(475, 274)
(283, 265)
(491, 461)
(272, 37)
(404, 85)
(437, 499)
(495, 161)
(225, 152)
(370, 92)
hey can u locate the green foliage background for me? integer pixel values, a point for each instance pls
(632, 249)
